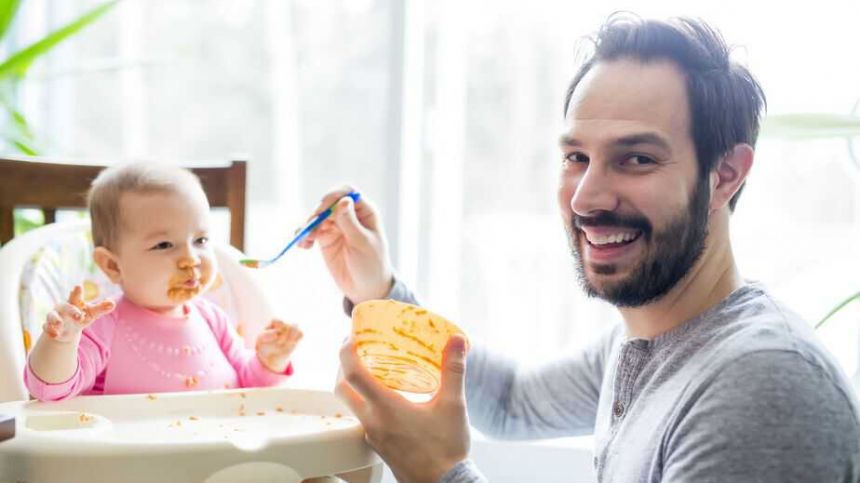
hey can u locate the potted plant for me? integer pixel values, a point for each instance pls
(16, 130)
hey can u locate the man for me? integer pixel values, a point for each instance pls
(709, 378)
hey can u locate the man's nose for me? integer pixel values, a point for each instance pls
(594, 192)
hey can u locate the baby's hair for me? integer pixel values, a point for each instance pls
(107, 189)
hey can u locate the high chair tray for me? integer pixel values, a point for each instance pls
(271, 434)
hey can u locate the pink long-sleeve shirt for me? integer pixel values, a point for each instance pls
(135, 350)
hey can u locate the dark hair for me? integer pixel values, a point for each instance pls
(725, 100)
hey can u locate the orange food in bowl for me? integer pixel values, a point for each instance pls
(401, 344)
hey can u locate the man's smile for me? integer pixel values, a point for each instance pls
(609, 244)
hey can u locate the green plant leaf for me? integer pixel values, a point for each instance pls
(839, 307)
(811, 126)
(18, 63)
(25, 148)
(18, 133)
(8, 9)
(25, 221)
(20, 123)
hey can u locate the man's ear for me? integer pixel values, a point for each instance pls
(729, 175)
(108, 263)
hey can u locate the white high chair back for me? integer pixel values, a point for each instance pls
(39, 268)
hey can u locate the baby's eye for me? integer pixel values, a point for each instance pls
(165, 245)
(202, 241)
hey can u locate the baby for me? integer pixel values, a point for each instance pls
(150, 229)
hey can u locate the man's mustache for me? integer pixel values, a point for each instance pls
(608, 218)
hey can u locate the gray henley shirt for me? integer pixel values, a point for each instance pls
(743, 392)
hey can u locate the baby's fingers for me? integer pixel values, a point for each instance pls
(53, 324)
(294, 335)
(286, 333)
(71, 314)
(266, 336)
(95, 311)
(76, 296)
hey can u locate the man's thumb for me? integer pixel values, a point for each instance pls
(453, 367)
(345, 219)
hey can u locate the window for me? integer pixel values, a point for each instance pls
(446, 114)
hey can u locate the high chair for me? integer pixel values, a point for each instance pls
(50, 185)
(248, 435)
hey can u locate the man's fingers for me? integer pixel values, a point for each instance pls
(322, 228)
(357, 375)
(352, 399)
(331, 197)
(346, 219)
(327, 200)
(453, 368)
(363, 213)
(326, 237)
(367, 214)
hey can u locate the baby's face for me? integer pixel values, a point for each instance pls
(163, 249)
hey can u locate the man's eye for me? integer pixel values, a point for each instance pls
(162, 246)
(640, 160)
(576, 158)
(202, 241)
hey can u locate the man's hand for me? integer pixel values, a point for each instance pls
(66, 322)
(276, 344)
(353, 246)
(420, 442)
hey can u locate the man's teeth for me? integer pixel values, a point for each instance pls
(613, 238)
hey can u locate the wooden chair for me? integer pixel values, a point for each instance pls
(34, 182)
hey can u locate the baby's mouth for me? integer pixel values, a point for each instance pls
(185, 287)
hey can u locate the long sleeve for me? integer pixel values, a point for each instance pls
(251, 372)
(556, 400)
(463, 472)
(93, 355)
(399, 291)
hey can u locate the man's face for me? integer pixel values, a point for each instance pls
(631, 199)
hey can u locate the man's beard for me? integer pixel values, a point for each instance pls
(675, 250)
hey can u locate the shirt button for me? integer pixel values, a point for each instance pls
(618, 409)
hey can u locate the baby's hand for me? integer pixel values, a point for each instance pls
(67, 320)
(276, 344)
